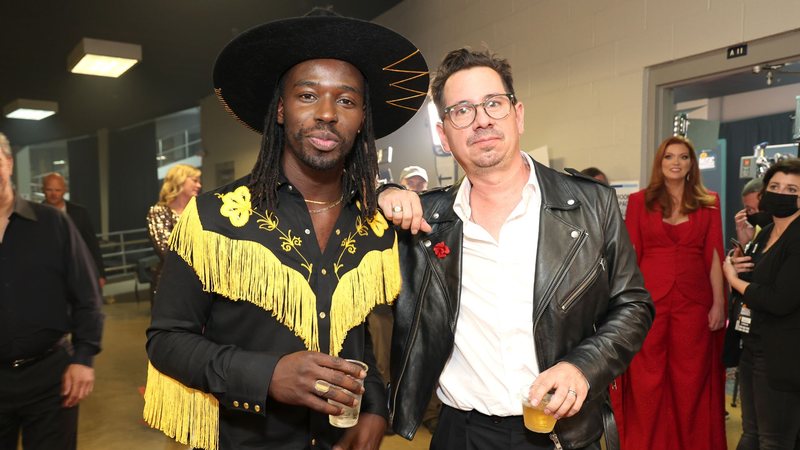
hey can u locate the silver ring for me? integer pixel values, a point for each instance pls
(397, 209)
(572, 391)
(322, 387)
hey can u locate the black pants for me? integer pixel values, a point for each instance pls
(30, 400)
(770, 418)
(471, 430)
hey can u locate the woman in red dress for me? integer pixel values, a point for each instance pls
(672, 395)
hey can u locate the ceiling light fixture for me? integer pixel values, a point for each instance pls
(30, 109)
(103, 58)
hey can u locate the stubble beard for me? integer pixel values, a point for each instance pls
(488, 156)
(314, 158)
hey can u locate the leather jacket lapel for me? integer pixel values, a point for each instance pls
(559, 240)
(448, 268)
(447, 230)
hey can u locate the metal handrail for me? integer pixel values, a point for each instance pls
(182, 150)
(127, 249)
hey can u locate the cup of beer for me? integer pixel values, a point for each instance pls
(349, 415)
(534, 417)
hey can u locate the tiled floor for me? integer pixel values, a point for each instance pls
(111, 417)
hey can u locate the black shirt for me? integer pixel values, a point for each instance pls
(48, 286)
(226, 309)
(773, 297)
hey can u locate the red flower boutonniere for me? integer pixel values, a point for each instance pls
(441, 250)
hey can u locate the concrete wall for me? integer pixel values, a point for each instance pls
(578, 68)
(579, 64)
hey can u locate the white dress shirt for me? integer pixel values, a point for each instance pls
(494, 356)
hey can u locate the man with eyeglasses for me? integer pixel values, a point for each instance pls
(526, 283)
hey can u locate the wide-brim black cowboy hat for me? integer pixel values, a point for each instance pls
(248, 68)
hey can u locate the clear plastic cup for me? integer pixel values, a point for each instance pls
(349, 415)
(535, 418)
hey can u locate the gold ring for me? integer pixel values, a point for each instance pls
(572, 391)
(397, 209)
(322, 387)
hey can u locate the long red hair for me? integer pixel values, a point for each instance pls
(695, 195)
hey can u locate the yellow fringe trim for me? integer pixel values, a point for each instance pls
(246, 270)
(357, 292)
(189, 416)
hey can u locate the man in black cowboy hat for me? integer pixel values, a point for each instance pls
(269, 279)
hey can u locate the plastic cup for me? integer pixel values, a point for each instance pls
(534, 417)
(349, 415)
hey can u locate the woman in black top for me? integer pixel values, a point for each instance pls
(769, 369)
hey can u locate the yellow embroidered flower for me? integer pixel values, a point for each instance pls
(236, 206)
(361, 227)
(378, 224)
(268, 222)
(289, 242)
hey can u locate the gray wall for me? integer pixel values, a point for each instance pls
(578, 67)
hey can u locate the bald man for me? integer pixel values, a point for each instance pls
(54, 187)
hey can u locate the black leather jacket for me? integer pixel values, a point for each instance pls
(590, 305)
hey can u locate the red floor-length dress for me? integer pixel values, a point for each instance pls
(672, 396)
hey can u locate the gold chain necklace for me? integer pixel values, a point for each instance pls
(331, 206)
(317, 202)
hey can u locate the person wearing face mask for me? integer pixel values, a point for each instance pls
(749, 222)
(749, 219)
(672, 395)
(769, 370)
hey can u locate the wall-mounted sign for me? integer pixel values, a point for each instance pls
(737, 51)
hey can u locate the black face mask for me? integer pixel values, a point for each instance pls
(779, 205)
(760, 219)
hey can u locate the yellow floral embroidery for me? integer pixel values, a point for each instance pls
(236, 206)
(290, 242)
(349, 244)
(361, 227)
(378, 224)
(268, 222)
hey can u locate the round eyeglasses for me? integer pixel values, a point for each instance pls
(497, 107)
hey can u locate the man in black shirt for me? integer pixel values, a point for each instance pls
(269, 279)
(48, 289)
(54, 188)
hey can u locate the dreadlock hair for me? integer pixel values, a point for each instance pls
(264, 176)
(361, 164)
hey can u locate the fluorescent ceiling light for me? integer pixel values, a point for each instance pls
(103, 58)
(30, 109)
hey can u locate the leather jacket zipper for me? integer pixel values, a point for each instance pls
(414, 328)
(556, 442)
(556, 281)
(584, 285)
(573, 250)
